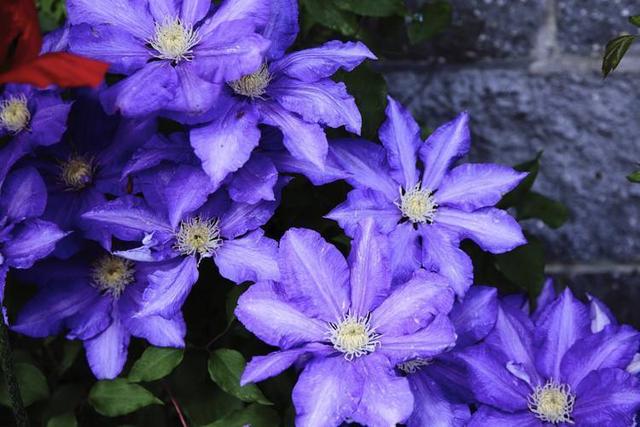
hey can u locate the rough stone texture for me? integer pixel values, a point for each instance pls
(534, 84)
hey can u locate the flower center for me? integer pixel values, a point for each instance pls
(417, 204)
(253, 85)
(552, 402)
(77, 172)
(413, 366)
(111, 274)
(353, 336)
(14, 113)
(174, 40)
(198, 236)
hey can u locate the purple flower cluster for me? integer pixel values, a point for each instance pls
(125, 212)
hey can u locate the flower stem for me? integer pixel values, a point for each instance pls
(6, 363)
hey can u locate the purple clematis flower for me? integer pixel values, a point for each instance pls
(86, 168)
(427, 216)
(29, 118)
(180, 224)
(292, 92)
(348, 324)
(96, 297)
(554, 370)
(24, 238)
(439, 385)
(175, 53)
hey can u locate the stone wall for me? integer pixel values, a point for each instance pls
(528, 73)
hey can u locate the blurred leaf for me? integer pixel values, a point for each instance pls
(155, 363)
(225, 369)
(535, 205)
(232, 301)
(64, 420)
(378, 8)
(33, 385)
(524, 266)
(369, 89)
(327, 14)
(432, 19)
(120, 397)
(614, 52)
(253, 415)
(516, 195)
(635, 20)
(634, 177)
(64, 400)
(51, 14)
(70, 352)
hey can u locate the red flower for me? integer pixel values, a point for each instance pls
(20, 62)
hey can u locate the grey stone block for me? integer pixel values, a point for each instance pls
(585, 26)
(589, 131)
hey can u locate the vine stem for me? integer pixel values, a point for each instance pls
(8, 369)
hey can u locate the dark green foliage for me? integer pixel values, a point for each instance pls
(614, 52)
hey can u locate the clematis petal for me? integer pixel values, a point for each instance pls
(443, 147)
(476, 315)
(601, 316)
(32, 240)
(116, 46)
(405, 252)
(328, 392)
(311, 65)
(158, 149)
(226, 144)
(494, 230)
(386, 398)
(107, 352)
(559, 326)
(169, 287)
(433, 407)
(305, 141)
(325, 102)
(188, 189)
(23, 195)
(436, 338)
(254, 181)
(366, 164)
(262, 367)
(254, 13)
(546, 297)
(262, 310)
(193, 11)
(400, 135)
(194, 95)
(163, 9)
(314, 274)
(370, 269)
(129, 15)
(282, 27)
(607, 397)
(148, 90)
(441, 254)
(93, 318)
(487, 416)
(411, 306)
(473, 186)
(253, 257)
(361, 204)
(613, 347)
(129, 213)
(49, 121)
(158, 330)
(243, 217)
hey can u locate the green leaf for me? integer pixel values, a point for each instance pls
(432, 19)
(70, 352)
(524, 266)
(32, 383)
(120, 397)
(232, 301)
(614, 52)
(535, 205)
(64, 400)
(635, 20)
(377, 8)
(155, 363)
(253, 415)
(64, 420)
(225, 369)
(51, 13)
(517, 195)
(634, 177)
(327, 14)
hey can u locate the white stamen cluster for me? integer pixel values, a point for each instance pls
(413, 366)
(417, 204)
(552, 403)
(14, 113)
(198, 236)
(253, 85)
(353, 336)
(174, 40)
(112, 274)
(77, 172)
